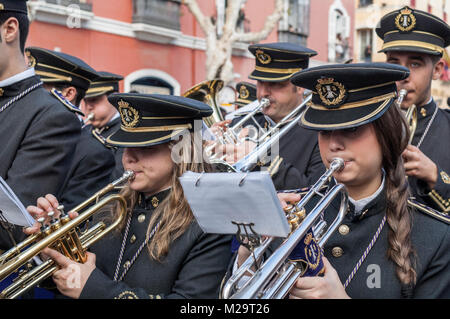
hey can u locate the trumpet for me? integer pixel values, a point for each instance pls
(410, 114)
(266, 141)
(231, 134)
(62, 235)
(277, 275)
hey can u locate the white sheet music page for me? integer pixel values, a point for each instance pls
(219, 199)
(12, 208)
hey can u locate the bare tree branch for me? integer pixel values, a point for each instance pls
(269, 25)
(204, 22)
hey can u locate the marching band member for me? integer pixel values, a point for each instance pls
(384, 248)
(417, 40)
(106, 119)
(38, 133)
(160, 251)
(298, 163)
(67, 78)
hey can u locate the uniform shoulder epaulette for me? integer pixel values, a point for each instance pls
(429, 211)
(99, 137)
(66, 103)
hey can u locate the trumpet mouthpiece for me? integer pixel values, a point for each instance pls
(265, 103)
(90, 117)
(337, 164)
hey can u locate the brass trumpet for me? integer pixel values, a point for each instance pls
(410, 114)
(62, 235)
(277, 275)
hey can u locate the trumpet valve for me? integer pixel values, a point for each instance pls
(296, 218)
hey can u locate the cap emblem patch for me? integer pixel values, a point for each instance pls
(331, 92)
(405, 20)
(243, 92)
(31, 60)
(129, 115)
(262, 57)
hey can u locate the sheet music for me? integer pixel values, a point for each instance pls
(218, 199)
(12, 208)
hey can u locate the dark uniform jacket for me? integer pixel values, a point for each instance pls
(38, 140)
(435, 145)
(90, 171)
(299, 163)
(104, 132)
(376, 277)
(193, 268)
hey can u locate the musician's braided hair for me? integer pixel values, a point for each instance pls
(393, 134)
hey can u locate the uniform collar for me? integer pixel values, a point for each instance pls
(426, 111)
(376, 204)
(152, 201)
(18, 87)
(17, 77)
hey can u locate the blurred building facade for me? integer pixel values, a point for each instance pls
(367, 43)
(158, 46)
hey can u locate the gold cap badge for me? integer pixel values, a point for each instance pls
(262, 57)
(332, 93)
(405, 20)
(243, 92)
(129, 115)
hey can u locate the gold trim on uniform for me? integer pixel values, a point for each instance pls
(1, 92)
(442, 203)
(373, 100)
(405, 20)
(100, 89)
(445, 177)
(262, 57)
(155, 202)
(330, 91)
(54, 76)
(412, 43)
(442, 216)
(423, 111)
(127, 295)
(171, 135)
(2, 7)
(378, 110)
(270, 79)
(156, 128)
(273, 70)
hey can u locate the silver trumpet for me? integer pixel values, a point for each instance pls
(231, 134)
(277, 275)
(266, 141)
(89, 118)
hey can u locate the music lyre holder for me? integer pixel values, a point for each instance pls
(255, 210)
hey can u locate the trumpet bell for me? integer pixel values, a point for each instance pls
(207, 92)
(63, 235)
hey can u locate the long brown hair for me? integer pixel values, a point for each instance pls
(173, 213)
(393, 134)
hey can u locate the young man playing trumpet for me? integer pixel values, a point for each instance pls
(103, 118)
(297, 163)
(417, 40)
